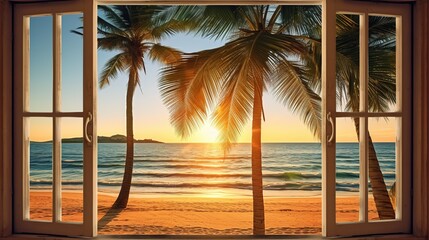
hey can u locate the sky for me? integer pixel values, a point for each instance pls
(151, 117)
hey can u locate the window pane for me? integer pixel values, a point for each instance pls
(347, 45)
(40, 162)
(72, 169)
(40, 66)
(382, 168)
(347, 171)
(382, 64)
(71, 64)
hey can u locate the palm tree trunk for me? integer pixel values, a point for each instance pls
(379, 190)
(122, 200)
(258, 197)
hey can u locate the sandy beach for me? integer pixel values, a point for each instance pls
(199, 215)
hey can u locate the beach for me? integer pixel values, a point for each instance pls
(199, 215)
(194, 189)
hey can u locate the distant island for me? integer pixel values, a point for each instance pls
(112, 139)
(122, 139)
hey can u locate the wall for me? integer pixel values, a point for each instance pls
(421, 120)
(6, 119)
(1, 119)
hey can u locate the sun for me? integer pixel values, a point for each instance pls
(207, 134)
(211, 133)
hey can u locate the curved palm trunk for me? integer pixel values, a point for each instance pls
(258, 197)
(379, 190)
(122, 200)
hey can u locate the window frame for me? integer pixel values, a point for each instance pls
(402, 223)
(22, 222)
(420, 114)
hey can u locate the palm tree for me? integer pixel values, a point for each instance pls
(197, 92)
(133, 32)
(232, 79)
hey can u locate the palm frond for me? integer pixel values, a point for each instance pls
(116, 64)
(112, 16)
(171, 27)
(213, 21)
(382, 78)
(236, 104)
(381, 65)
(291, 87)
(381, 27)
(105, 27)
(346, 23)
(347, 81)
(164, 54)
(77, 32)
(124, 14)
(300, 20)
(188, 89)
(112, 42)
(250, 60)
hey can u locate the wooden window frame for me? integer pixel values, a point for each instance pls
(13, 221)
(402, 112)
(420, 111)
(22, 114)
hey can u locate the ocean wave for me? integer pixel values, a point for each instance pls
(284, 176)
(189, 158)
(193, 167)
(170, 166)
(72, 160)
(235, 185)
(296, 175)
(49, 183)
(355, 175)
(187, 161)
(349, 187)
(223, 157)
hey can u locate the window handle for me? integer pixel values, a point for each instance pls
(88, 120)
(331, 121)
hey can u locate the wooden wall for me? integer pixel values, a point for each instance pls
(421, 120)
(6, 118)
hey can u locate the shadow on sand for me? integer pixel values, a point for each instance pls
(108, 217)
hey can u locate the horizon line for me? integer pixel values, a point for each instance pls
(161, 142)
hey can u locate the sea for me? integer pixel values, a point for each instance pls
(205, 170)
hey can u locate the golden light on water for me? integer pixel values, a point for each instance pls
(214, 194)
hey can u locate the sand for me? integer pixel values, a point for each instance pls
(199, 215)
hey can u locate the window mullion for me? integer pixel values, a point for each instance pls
(56, 166)
(328, 111)
(363, 122)
(25, 122)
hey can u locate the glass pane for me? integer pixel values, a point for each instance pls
(347, 171)
(347, 45)
(382, 168)
(382, 64)
(40, 66)
(72, 169)
(71, 64)
(40, 160)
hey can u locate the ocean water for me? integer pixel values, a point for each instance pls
(204, 170)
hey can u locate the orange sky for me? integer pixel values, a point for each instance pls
(279, 127)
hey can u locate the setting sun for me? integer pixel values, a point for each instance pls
(207, 134)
